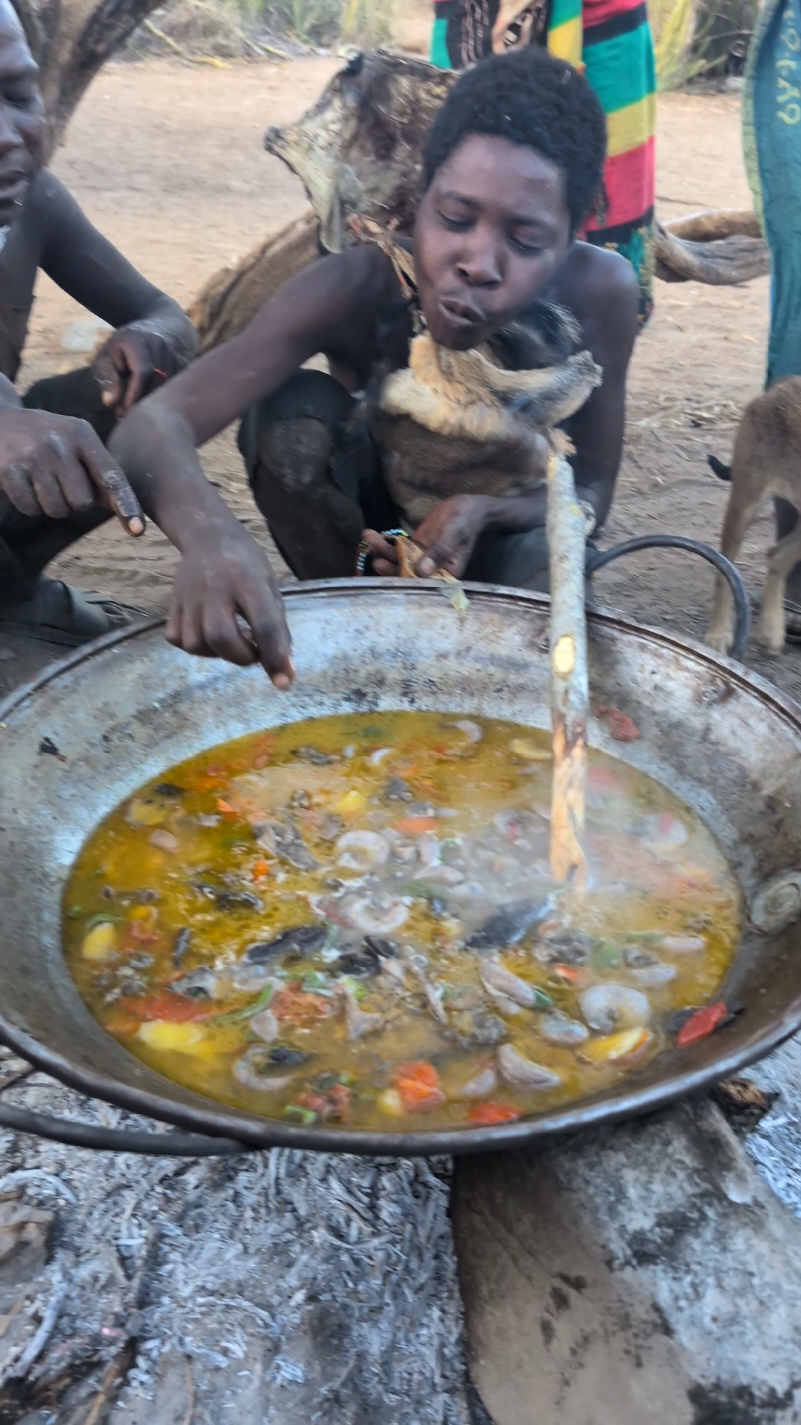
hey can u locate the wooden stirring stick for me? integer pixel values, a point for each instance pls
(567, 532)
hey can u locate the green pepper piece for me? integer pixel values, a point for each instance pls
(261, 1002)
(607, 953)
(296, 1114)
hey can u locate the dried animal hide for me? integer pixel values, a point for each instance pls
(358, 150)
(462, 422)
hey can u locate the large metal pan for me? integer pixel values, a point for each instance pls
(123, 710)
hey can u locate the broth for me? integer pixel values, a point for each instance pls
(351, 920)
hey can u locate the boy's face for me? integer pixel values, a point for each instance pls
(22, 121)
(490, 231)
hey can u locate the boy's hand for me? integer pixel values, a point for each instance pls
(449, 534)
(383, 553)
(53, 465)
(132, 363)
(226, 604)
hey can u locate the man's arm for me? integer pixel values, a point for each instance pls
(153, 337)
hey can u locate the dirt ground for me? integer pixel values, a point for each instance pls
(168, 160)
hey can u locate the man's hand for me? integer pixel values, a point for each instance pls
(449, 534)
(132, 363)
(226, 604)
(54, 465)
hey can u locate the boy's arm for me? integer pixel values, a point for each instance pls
(153, 338)
(224, 575)
(610, 301)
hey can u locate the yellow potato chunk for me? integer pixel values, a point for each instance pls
(162, 1034)
(390, 1102)
(352, 802)
(100, 943)
(528, 751)
(145, 811)
(612, 1047)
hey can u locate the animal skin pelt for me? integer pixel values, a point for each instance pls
(462, 422)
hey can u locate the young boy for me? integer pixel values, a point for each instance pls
(512, 167)
(57, 480)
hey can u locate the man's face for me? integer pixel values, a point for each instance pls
(490, 231)
(22, 120)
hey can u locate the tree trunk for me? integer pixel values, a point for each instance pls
(70, 41)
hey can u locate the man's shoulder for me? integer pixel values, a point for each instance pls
(47, 201)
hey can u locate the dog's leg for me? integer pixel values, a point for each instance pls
(782, 558)
(739, 514)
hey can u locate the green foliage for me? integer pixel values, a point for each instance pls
(367, 23)
(700, 37)
(676, 60)
(312, 21)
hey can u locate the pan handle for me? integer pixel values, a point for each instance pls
(117, 1140)
(724, 566)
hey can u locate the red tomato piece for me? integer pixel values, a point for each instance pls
(483, 1115)
(178, 1009)
(570, 974)
(704, 1022)
(335, 1102)
(621, 727)
(419, 1087)
(416, 825)
(301, 1007)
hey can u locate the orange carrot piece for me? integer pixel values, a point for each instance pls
(225, 808)
(260, 870)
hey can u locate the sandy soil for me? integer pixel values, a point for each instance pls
(167, 159)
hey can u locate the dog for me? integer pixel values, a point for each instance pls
(766, 462)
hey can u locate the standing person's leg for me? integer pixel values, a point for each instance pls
(30, 601)
(314, 473)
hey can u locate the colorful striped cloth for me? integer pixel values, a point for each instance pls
(611, 40)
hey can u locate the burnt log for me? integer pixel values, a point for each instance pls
(639, 1272)
(70, 41)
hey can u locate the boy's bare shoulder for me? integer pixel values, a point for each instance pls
(369, 275)
(592, 275)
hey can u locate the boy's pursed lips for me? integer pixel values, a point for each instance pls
(461, 314)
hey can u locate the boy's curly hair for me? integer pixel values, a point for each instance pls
(530, 98)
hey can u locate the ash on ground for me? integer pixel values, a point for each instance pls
(274, 1288)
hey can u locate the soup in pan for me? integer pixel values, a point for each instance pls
(351, 921)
